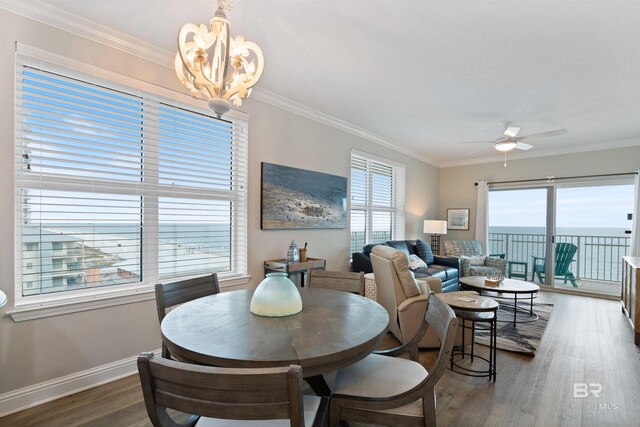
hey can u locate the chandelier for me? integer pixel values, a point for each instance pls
(203, 60)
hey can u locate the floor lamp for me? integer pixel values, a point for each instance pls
(435, 228)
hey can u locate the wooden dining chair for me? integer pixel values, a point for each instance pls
(337, 280)
(169, 295)
(225, 394)
(394, 391)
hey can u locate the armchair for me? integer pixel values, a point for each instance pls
(472, 260)
(404, 297)
(564, 257)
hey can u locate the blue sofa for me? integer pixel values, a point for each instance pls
(447, 269)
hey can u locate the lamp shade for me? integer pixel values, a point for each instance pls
(435, 226)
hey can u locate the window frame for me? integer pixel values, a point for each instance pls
(44, 305)
(398, 197)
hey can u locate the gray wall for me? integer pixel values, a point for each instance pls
(35, 351)
(457, 189)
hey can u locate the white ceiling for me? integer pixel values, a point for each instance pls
(425, 75)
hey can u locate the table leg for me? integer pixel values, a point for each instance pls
(493, 348)
(515, 309)
(463, 334)
(531, 306)
(473, 338)
(319, 385)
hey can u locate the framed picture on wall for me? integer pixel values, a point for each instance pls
(295, 198)
(458, 219)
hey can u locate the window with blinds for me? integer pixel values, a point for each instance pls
(377, 200)
(116, 187)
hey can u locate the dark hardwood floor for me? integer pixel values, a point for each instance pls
(587, 341)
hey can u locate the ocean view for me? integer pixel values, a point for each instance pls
(567, 231)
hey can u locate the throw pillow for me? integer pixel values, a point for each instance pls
(401, 264)
(416, 262)
(424, 251)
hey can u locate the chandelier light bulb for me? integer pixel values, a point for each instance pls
(205, 55)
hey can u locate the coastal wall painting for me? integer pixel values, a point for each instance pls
(458, 219)
(296, 198)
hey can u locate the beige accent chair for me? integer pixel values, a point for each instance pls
(391, 390)
(404, 297)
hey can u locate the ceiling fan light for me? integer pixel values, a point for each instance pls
(505, 146)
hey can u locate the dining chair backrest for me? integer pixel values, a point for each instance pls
(171, 294)
(441, 318)
(337, 280)
(222, 393)
(179, 292)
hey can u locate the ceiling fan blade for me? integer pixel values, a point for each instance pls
(544, 134)
(523, 146)
(476, 142)
(511, 131)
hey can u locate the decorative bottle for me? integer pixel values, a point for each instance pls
(293, 254)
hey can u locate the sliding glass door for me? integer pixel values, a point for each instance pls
(567, 236)
(593, 221)
(519, 228)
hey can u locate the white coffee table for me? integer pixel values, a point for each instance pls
(506, 286)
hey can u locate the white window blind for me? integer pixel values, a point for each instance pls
(377, 200)
(119, 188)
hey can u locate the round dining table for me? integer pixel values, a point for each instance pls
(333, 330)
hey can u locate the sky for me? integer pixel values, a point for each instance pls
(591, 207)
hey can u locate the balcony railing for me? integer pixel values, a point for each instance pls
(358, 239)
(598, 257)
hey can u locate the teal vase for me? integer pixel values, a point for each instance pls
(276, 296)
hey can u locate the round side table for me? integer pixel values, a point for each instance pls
(370, 289)
(473, 309)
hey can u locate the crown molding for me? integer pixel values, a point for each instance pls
(50, 15)
(53, 16)
(609, 145)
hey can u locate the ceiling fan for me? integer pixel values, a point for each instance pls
(510, 139)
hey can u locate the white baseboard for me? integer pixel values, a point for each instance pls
(37, 394)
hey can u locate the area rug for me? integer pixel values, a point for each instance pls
(522, 338)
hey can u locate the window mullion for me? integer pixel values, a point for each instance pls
(368, 202)
(150, 182)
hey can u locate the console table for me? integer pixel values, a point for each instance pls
(631, 293)
(281, 266)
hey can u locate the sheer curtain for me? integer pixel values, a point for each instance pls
(482, 216)
(635, 223)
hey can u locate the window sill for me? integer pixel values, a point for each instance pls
(42, 309)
